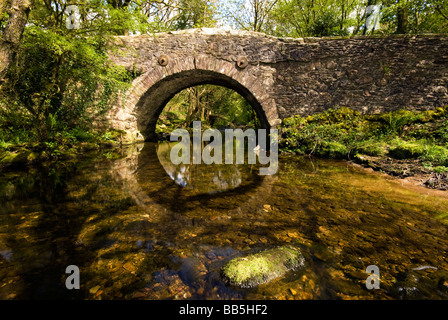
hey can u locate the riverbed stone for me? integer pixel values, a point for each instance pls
(262, 267)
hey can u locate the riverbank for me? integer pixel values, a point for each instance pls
(403, 144)
(23, 155)
(413, 170)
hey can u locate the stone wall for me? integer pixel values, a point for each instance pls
(368, 74)
(283, 76)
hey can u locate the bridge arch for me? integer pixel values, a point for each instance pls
(151, 91)
(283, 76)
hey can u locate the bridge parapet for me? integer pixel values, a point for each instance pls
(281, 77)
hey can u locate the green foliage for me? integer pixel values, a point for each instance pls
(334, 133)
(62, 78)
(308, 18)
(407, 150)
(339, 133)
(326, 25)
(440, 169)
(195, 14)
(437, 155)
(215, 106)
(394, 122)
(415, 16)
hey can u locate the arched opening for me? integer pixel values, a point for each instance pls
(152, 103)
(215, 106)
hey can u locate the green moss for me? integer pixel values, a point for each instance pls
(343, 116)
(440, 169)
(372, 148)
(18, 158)
(8, 158)
(402, 134)
(436, 154)
(262, 267)
(88, 146)
(407, 150)
(114, 135)
(331, 149)
(67, 154)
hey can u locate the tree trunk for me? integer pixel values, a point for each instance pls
(18, 15)
(402, 20)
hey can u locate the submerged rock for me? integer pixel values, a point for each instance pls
(18, 158)
(262, 267)
(438, 181)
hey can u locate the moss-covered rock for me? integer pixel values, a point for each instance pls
(88, 146)
(407, 150)
(331, 149)
(262, 267)
(115, 135)
(20, 157)
(374, 149)
(8, 158)
(67, 154)
(109, 145)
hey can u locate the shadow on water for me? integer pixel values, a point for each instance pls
(139, 227)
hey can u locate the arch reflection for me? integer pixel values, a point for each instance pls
(156, 184)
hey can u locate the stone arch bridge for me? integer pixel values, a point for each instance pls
(279, 77)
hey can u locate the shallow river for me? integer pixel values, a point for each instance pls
(139, 227)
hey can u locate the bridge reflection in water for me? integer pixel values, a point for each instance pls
(140, 228)
(153, 180)
(200, 177)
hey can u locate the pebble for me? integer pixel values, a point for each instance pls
(11, 296)
(94, 290)
(129, 266)
(211, 256)
(292, 234)
(138, 295)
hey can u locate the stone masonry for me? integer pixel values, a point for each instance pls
(280, 77)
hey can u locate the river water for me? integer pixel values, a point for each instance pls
(139, 227)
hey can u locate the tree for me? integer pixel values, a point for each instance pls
(17, 12)
(415, 16)
(215, 106)
(303, 18)
(402, 18)
(251, 15)
(62, 78)
(195, 14)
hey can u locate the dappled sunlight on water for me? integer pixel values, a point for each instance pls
(139, 227)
